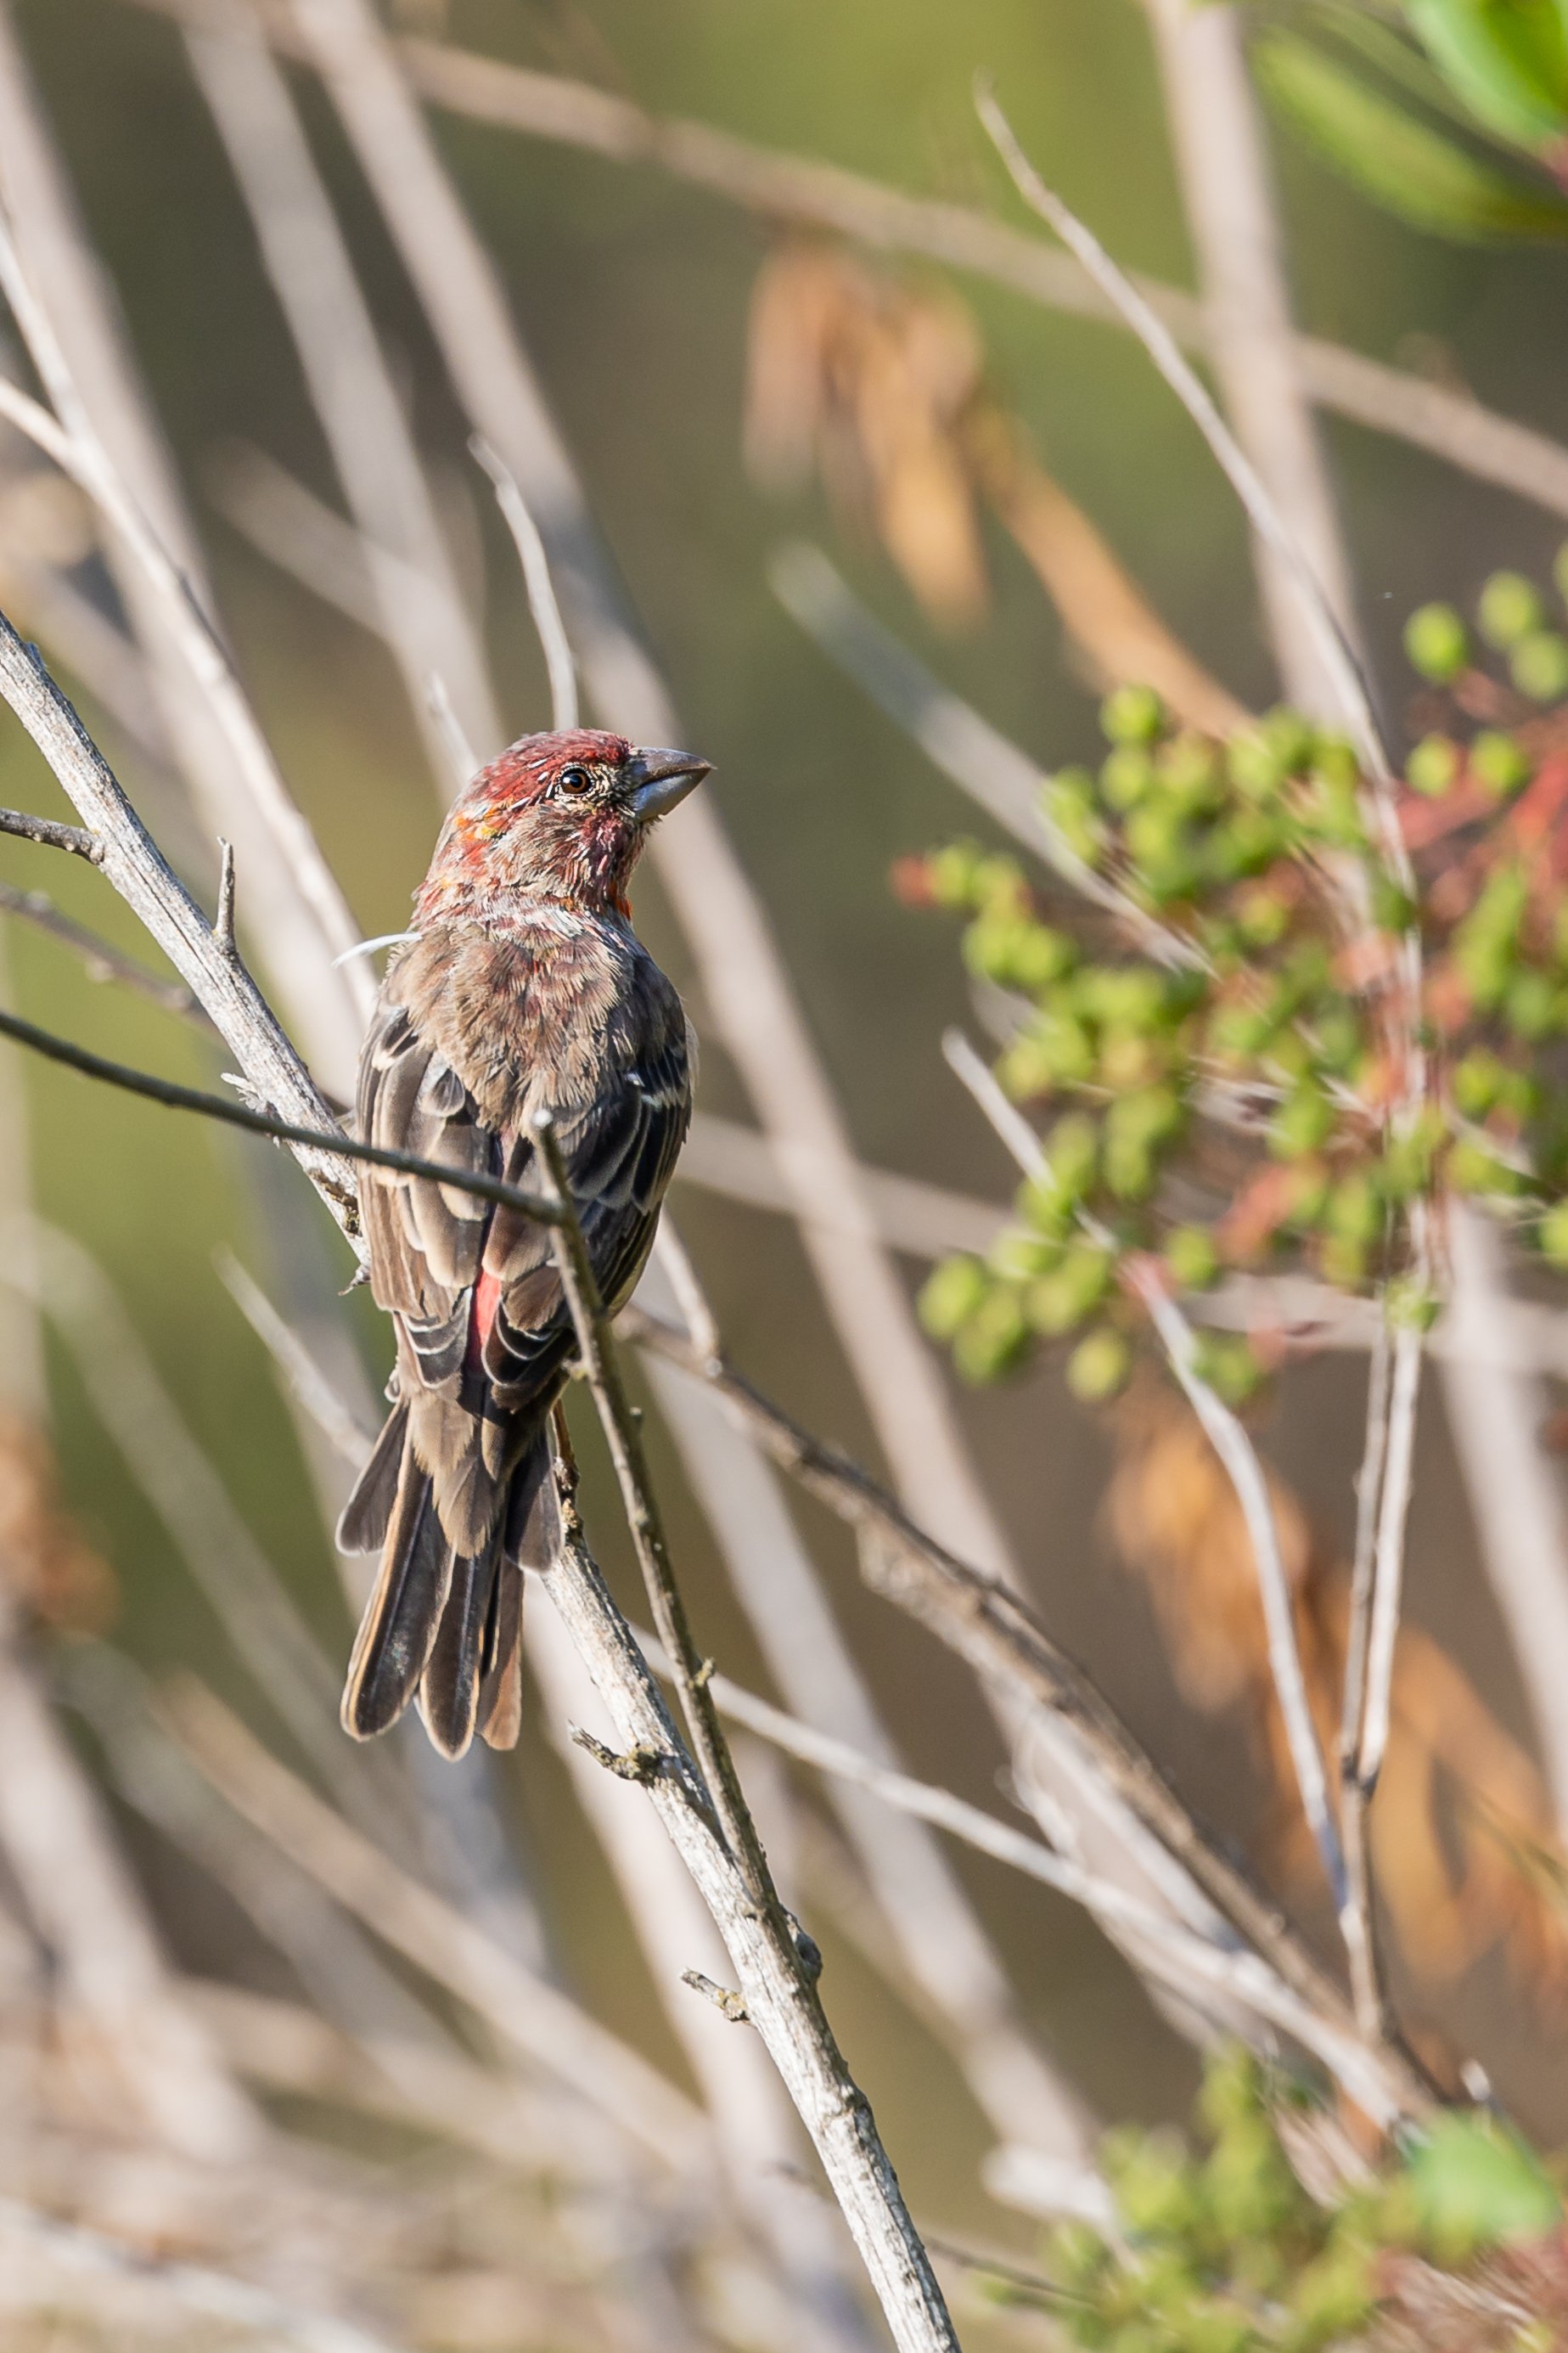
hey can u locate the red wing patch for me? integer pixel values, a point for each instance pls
(482, 1312)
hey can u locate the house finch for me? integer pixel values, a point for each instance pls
(520, 990)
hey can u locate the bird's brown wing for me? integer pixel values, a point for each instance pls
(620, 1148)
(479, 1360)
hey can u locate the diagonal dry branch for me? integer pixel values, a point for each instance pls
(800, 190)
(132, 863)
(108, 435)
(777, 1978)
(533, 2016)
(977, 1616)
(418, 598)
(778, 1987)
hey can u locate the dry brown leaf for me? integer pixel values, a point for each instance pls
(46, 1563)
(1464, 1842)
(878, 388)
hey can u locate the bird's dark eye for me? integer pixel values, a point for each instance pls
(575, 780)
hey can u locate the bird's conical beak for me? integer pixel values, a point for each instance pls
(659, 780)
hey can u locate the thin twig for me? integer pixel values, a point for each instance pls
(1173, 1951)
(986, 1624)
(1338, 655)
(414, 590)
(1230, 1442)
(943, 1943)
(673, 1258)
(778, 1987)
(542, 603)
(134, 864)
(779, 186)
(72, 440)
(305, 1377)
(44, 831)
(1359, 1924)
(102, 959)
(1223, 164)
(728, 1157)
(223, 922)
(459, 754)
(602, 1368)
(755, 2127)
(995, 773)
(1393, 1510)
(176, 1097)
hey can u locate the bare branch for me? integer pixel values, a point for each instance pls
(50, 836)
(541, 588)
(531, 2015)
(1393, 1510)
(211, 673)
(597, 1356)
(1359, 1921)
(944, 1950)
(1222, 165)
(223, 925)
(305, 1377)
(102, 958)
(1338, 655)
(778, 1989)
(132, 863)
(1166, 1945)
(985, 1623)
(755, 2127)
(1230, 1442)
(995, 773)
(176, 1097)
(725, 1156)
(1449, 425)
(415, 592)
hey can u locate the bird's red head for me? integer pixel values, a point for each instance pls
(560, 817)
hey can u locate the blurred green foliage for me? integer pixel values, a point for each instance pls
(1219, 2249)
(1231, 1097)
(1454, 119)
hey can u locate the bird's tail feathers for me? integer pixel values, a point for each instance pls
(443, 1625)
(404, 1611)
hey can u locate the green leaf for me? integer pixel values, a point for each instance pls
(1476, 2184)
(1395, 159)
(1394, 55)
(1507, 59)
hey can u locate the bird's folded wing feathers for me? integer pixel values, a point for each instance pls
(429, 1242)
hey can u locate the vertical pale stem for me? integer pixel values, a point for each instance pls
(1228, 192)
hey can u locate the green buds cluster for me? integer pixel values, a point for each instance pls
(1218, 2248)
(1513, 619)
(1227, 1099)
